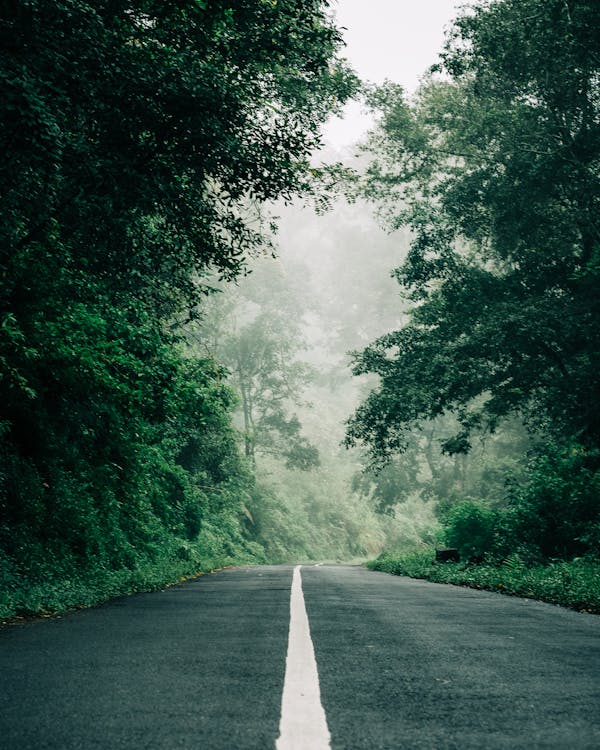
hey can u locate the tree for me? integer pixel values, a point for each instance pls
(495, 169)
(150, 132)
(256, 333)
(139, 143)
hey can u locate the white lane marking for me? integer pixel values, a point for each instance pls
(303, 724)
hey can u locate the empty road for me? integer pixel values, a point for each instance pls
(353, 660)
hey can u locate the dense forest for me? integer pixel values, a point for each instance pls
(141, 145)
(494, 167)
(185, 271)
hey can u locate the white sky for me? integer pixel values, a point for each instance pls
(395, 39)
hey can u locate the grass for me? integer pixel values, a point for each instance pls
(574, 584)
(54, 596)
(46, 589)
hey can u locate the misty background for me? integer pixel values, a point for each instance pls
(329, 292)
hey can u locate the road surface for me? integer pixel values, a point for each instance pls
(374, 661)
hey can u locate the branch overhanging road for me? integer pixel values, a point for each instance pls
(400, 664)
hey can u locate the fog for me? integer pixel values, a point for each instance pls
(251, 324)
(287, 334)
(386, 39)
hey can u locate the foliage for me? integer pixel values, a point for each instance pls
(495, 170)
(555, 515)
(470, 528)
(293, 355)
(550, 514)
(426, 469)
(255, 330)
(313, 516)
(494, 167)
(391, 485)
(262, 355)
(49, 589)
(139, 142)
(574, 584)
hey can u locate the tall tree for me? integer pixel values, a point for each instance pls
(256, 332)
(139, 142)
(494, 166)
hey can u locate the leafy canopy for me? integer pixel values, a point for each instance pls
(494, 166)
(139, 142)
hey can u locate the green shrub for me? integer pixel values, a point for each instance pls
(471, 528)
(574, 584)
(557, 515)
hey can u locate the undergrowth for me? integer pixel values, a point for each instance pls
(42, 591)
(574, 584)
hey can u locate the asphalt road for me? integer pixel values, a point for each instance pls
(402, 664)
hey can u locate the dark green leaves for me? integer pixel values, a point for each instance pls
(138, 144)
(496, 172)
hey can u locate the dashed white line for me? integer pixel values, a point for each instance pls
(303, 724)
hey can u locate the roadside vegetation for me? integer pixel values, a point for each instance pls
(140, 144)
(493, 165)
(176, 316)
(573, 583)
(45, 590)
